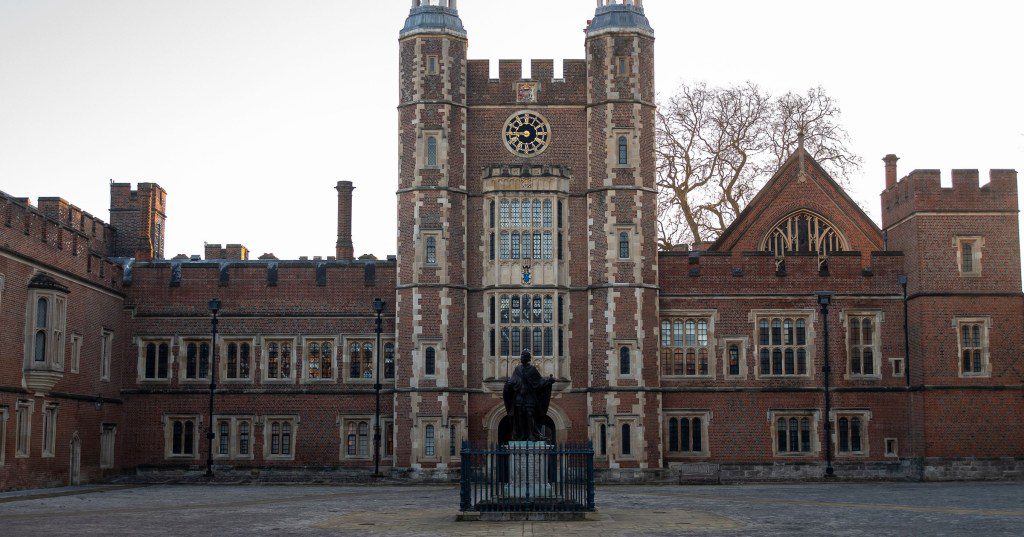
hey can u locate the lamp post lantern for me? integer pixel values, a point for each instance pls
(825, 300)
(214, 307)
(378, 308)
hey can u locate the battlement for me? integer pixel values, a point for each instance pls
(61, 236)
(922, 191)
(138, 215)
(569, 88)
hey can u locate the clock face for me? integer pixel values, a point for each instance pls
(527, 134)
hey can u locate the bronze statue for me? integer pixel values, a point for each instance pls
(527, 395)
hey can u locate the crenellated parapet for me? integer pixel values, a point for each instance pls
(61, 236)
(922, 191)
(543, 87)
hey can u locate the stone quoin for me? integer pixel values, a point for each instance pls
(527, 219)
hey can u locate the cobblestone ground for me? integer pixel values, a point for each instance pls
(988, 509)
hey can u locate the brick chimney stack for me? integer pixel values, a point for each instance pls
(890, 171)
(345, 249)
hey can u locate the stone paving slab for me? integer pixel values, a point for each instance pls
(992, 509)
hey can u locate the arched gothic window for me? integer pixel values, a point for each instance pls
(430, 362)
(625, 365)
(804, 232)
(431, 151)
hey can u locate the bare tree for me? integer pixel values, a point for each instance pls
(718, 145)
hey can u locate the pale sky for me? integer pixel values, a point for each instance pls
(249, 111)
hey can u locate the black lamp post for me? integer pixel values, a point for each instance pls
(825, 300)
(378, 308)
(902, 279)
(214, 309)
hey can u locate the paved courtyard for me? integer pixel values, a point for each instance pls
(988, 509)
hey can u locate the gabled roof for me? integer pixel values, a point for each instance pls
(785, 193)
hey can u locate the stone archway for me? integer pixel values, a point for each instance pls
(498, 428)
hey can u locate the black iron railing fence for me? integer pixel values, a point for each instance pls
(532, 477)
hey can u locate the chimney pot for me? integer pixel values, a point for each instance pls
(891, 173)
(345, 250)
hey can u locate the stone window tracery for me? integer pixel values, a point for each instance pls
(804, 232)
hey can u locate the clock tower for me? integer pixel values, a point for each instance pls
(430, 302)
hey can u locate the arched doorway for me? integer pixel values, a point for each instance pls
(547, 425)
(75, 473)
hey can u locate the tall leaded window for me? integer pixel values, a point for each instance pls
(319, 359)
(106, 346)
(973, 342)
(864, 345)
(623, 149)
(627, 440)
(526, 229)
(238, 360)
(357, 443)
(686, 434)
(431, 151)
(625, 361)
(360, 356)
(389, 360)
(528, 322)
(42, 325)
(224, 438)
(155, 360)
(183, 437)
(279, 359)
(684, 347)
(197, 360)
(851, 429)
(624, 245)
(969, 255)
(734, 359)
(431, 250)
(782, 347)
(430, 442)
(804, 232)
(792, 434)
(280, 433)
(45, 343)
(430, 362)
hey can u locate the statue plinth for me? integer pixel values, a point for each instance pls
(528, 470)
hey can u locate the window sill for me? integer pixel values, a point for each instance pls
(154, 381)
(784, 377)
(975, 375)
(369, 382)
(863, 377)
(319, 381)
(809, 455)
(181, 458)
(194, 381)
(683, 455)
(279, 381)
(236, 381)
(279, 458)
(851, 454)
(688, 377)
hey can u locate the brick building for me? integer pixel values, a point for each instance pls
(527, 220)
